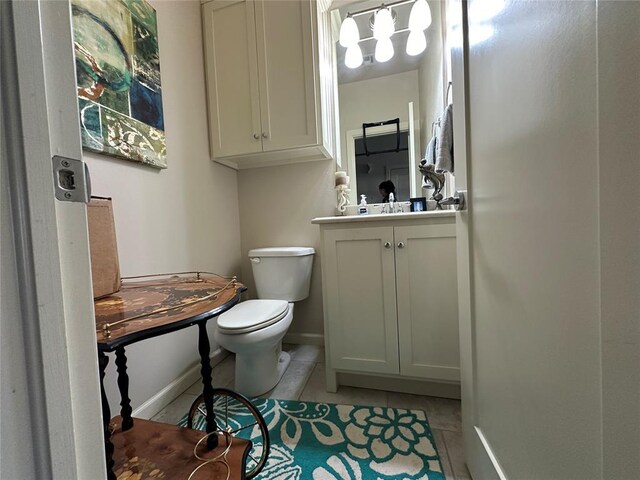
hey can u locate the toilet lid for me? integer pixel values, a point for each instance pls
(252, 315)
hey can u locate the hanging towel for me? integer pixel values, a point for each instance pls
(444, 148)
(430, 154)
(430, 159)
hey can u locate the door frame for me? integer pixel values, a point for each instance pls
(52, 245)
(352, 135)
(481, 461)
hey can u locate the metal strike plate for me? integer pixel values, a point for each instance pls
(71, 180)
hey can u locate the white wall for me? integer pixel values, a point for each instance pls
(276, 208)
(619, 175)
(431, 81)
(183, 218)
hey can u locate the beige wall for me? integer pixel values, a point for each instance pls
(276, 208)
(183, 218)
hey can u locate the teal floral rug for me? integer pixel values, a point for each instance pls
(322, 441)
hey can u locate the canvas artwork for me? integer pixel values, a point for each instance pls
(118, 74)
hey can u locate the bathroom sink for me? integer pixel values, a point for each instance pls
(381, 208)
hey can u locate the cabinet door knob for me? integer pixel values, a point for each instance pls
(400, 244)
(265, 135)
(387, 245)
(256, 136)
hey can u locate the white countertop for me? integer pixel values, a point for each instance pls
(385, 216)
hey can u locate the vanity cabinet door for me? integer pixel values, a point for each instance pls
(232, 78)
(427, 293)
(286, 66)
(360, 298)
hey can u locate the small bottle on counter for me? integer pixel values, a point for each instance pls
(363, 208)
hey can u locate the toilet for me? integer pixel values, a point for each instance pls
(254, 329)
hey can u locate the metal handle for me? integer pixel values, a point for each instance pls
(256, 136)
(387, 245)
(458, 200)
(265, 135)
(400, 244)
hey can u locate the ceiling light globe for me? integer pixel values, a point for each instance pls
(353, 57)
(416, 43)
(420, 16)
(383, 26)
(349, 34)
(384, 50)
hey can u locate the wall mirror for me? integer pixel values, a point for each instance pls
(392, 86)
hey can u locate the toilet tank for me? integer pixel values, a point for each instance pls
(282, 273)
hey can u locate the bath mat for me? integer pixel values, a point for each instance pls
(323, 441)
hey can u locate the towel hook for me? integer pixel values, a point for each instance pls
(433, 126)
(448, 90)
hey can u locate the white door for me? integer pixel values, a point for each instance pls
(546, 113)
(286, 66)
(359, 272)
(427, 293)
(51, 267)
(232, 78)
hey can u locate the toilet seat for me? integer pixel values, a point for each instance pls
(252, 315)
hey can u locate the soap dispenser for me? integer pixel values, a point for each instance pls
(363, 208)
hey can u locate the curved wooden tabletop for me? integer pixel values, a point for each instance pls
(150, 307)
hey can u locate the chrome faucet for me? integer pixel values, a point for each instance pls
(392, 206)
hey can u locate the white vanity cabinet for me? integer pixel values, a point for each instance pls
(390, 297)
(264, 89)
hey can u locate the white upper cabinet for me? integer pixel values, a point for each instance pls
(265, 95)
(288, 104)
(232, 78)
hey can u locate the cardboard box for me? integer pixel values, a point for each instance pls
(105, 267)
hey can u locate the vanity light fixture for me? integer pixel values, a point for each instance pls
(420, 16)
(382, 24)
(353, 57)
(384, 50)
(416, 43)
(349, 34)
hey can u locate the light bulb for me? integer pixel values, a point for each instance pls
(349, 34)
(383, 26)
(420, 16)
(384, 50)
(416, 43)
(353, 57)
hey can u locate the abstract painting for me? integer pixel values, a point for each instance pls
(118, 76)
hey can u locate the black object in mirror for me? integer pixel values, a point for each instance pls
(418, 204)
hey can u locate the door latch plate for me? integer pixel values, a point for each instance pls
(71, 180)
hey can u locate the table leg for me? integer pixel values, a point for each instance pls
(103, 361)
(123, 386)
(204, 349)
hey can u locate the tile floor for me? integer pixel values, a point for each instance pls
(305, 380)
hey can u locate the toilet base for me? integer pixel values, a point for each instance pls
(259, 372)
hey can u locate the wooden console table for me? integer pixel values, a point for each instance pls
(146, 308)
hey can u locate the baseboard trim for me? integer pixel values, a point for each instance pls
(304, 339)
(169, 393)
(402, 385)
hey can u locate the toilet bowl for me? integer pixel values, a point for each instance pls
(254, 329)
